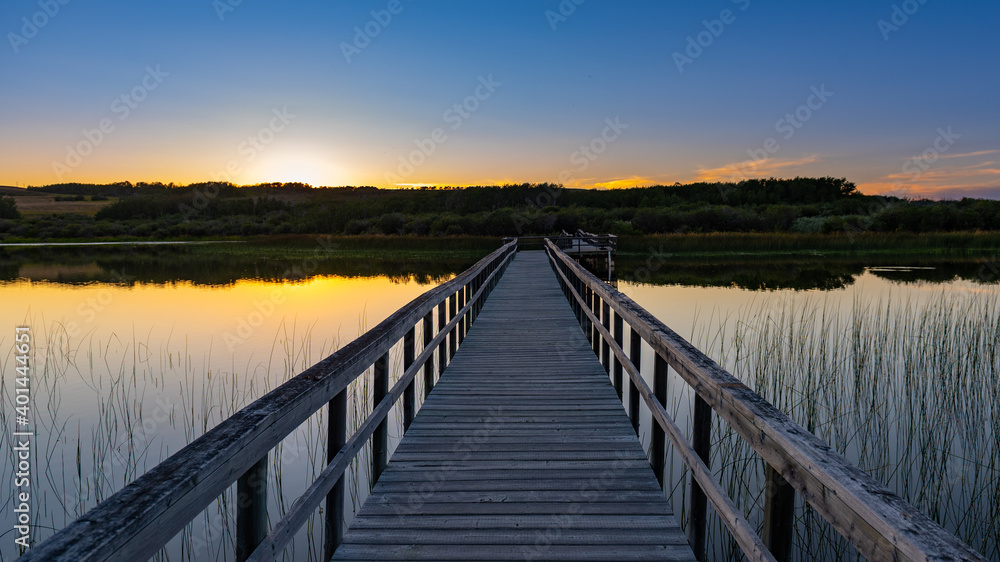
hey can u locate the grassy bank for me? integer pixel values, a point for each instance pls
(711, 245)
(413, 247)
(723, 244)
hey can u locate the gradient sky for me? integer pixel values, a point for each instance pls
(914, 107)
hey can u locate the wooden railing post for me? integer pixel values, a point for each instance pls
(595, 334)
(409, 394)
(701, 442)
(467, 320)
(380, 439)
(576, 286)
(429, 365)
(588, 297)
(251, 509)
(452, 337)
(443, 347)
(635, 356)
(657, 436)
(475, 305)
(619, 339)
(605, 346)
(336, 437)
(461, 321)
(779, 515)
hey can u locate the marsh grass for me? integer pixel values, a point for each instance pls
(109, 408)
(906, 388)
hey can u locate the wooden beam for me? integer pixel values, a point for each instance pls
(336, 436)
(251, 509)
(779, 515)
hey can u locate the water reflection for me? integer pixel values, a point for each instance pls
(171, 264)
(801, 273)
(142, 349)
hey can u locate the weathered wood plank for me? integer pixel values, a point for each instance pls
(522, 437)
(513, 536)
(514, 552)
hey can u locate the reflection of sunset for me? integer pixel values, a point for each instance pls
(331, 307)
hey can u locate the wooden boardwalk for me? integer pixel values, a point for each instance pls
(521, 452)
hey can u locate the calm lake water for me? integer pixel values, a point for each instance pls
(138, 351)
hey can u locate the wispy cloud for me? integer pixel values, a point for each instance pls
(753, 169)
(943, 181)
(970, 154)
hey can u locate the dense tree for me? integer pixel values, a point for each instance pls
(8, 208)
(211, 209)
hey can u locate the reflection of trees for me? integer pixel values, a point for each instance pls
(121, 265)
(171, 264)
(800, 273)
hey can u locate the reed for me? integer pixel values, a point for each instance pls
(107, 409)
(907, 388)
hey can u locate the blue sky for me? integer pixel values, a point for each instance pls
(380, 116)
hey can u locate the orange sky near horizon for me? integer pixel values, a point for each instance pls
(947, 176)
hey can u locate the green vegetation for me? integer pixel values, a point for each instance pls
(8, 208)
(800, 205)
(722, 244)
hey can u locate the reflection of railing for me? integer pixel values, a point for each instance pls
(136, 522)
(881, 525)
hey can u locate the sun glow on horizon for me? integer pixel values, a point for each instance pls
(301, 166)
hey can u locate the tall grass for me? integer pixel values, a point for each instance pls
(109, 409)
(907, 388)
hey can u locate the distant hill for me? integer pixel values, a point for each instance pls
(16, 191)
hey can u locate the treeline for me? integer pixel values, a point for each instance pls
(805, 205)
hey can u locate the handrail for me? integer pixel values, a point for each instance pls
(565, 241)
(880, 525)
(135, 522)
(300, 510)
(746, 536)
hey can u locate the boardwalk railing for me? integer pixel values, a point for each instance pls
(136, 522)
(881, 525)
(579, 243)
(602, 242)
